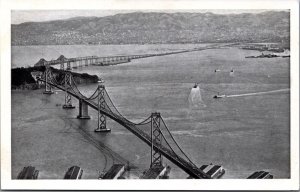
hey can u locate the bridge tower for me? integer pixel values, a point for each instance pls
(68, 66)
(48, 87)
(67, 85)
(62, 66)
(156, 137)
(101, 105)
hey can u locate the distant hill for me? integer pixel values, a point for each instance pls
(153, 27)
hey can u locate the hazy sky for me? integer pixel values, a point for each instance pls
(21, 16)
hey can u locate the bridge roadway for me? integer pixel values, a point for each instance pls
(106, 60)
(190, 169)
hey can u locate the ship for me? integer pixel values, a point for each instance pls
(263, 56)
(218, 96)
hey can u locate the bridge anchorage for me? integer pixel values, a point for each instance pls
(152, 131)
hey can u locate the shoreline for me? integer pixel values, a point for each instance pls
(177, 43)
(25, 78)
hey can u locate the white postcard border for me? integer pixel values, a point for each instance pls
(222, 184)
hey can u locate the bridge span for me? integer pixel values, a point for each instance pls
(159, 139)
(110, 60)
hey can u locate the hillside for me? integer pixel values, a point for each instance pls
(143, 28)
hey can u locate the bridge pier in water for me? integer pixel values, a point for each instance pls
(83, 110)
(101, 106)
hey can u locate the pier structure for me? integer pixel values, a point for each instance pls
(83, 110)
(260, 175)
(156, 172)
(74, 172)
(214, 171)
(28, 172)
(115, 172)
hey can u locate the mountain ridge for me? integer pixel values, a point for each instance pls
(155, 28)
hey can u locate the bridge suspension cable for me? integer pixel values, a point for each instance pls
(177, 143)
(160, 145)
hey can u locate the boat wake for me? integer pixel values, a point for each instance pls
(259, 93)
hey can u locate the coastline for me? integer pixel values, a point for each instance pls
(24, 79)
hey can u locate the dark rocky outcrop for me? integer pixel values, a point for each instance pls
(23, 79)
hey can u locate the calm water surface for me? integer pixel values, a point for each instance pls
(244, 134)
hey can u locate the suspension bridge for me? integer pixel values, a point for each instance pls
(153, 130)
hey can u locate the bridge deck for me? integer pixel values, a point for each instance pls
(170, 155)
(65, 60)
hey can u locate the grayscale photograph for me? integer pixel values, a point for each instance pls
(150, 94)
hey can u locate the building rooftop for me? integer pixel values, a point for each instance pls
(113, 171)
(260, 175)
(73, 172)
(28, 173)
(153, 172)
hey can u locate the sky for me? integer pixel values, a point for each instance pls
(21, 16)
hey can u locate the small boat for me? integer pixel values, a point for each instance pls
(219, 96)
(270, 55)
